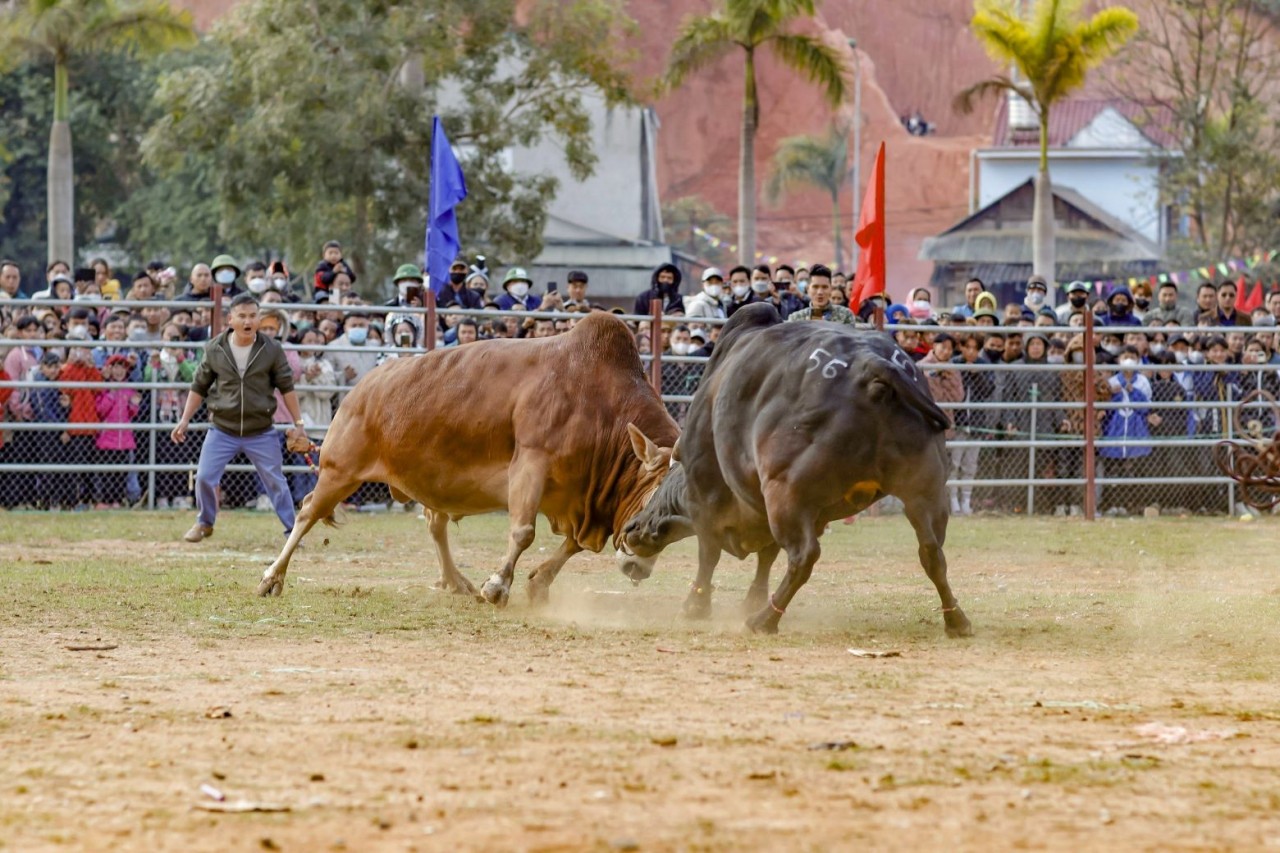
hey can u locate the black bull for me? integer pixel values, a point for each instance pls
(793, 426)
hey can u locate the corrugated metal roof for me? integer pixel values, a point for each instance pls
(1069, 117)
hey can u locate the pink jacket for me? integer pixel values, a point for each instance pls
(116, 407)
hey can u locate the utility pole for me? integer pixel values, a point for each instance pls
(857, 155)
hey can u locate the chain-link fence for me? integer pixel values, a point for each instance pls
(1061, 427)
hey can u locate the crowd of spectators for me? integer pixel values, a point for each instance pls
(1143, 362)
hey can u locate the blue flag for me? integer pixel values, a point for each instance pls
(448, 188)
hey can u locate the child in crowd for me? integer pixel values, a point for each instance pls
(115, 406)
(50, 406)
(330, 265)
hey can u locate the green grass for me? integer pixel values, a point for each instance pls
(1201, 587)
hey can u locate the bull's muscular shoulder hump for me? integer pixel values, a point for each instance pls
(602, 340)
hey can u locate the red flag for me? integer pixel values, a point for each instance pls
(1254, 301)
(870, 236)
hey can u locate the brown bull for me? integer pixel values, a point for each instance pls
(554, 425)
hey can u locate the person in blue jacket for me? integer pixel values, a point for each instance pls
(517, 285)
(1131, 422)
(1120, 308)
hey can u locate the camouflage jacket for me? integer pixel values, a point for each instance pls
(832, 314)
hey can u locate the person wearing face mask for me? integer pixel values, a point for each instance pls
(225, 272)
(764, 290)
(1037, 294)
(740, 290)
(1132, 422)
(921, 305)
(665, 286)
(708, 303)
(352, 364)
(1120, 308)
(517, 285)
(1141, 300)
(1077, 300)
(478, 283)
(255, 278)
(801, 278)
(456, 294)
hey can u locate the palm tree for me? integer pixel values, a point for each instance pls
(813, 161)
(1051, 51)
(61, 30)
(750, 25)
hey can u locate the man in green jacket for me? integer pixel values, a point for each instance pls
(238, 378)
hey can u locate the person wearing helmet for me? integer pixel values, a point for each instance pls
(225, 272)
(408, 287)
(517, 285)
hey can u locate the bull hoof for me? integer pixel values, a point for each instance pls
(539, 596)
(495, 592)
(764, 622)
(271, 585)
(697, 605)
(957, 624)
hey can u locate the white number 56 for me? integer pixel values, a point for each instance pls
(829, 369)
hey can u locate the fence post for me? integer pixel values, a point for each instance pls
(215, 317)
(429, 328)
(151, 442)
(655, 345)
(1090, 461)
(1230, 434)
(1031, 456)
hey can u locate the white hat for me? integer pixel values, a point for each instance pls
(712, 272)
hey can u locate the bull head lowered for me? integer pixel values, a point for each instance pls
(657, 467)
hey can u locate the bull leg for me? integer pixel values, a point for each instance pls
(697, 605)
(541, 578)
(795, 528)
(451, 580)
(758, 593)
(526, 482)
(928, 516)
(317, 506)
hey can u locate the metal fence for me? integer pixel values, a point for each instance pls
(1066, 439)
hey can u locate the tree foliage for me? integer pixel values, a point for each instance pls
(750, 25)
(1053, 50)
(1206, 73)
(819, 162)
(682, 215)
(109, 116)
(304, 112)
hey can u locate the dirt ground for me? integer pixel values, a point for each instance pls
(1120, 692)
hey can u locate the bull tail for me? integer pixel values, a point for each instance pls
(903, 380)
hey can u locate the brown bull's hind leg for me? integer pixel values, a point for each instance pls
(451, 580)
(929, 518)
(541, 578)
(758, 593)
(317, 506)
(526, 479)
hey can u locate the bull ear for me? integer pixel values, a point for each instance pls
(645, 450)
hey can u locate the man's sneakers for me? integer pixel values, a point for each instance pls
(198, 532)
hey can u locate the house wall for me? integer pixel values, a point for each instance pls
(1122, 184)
